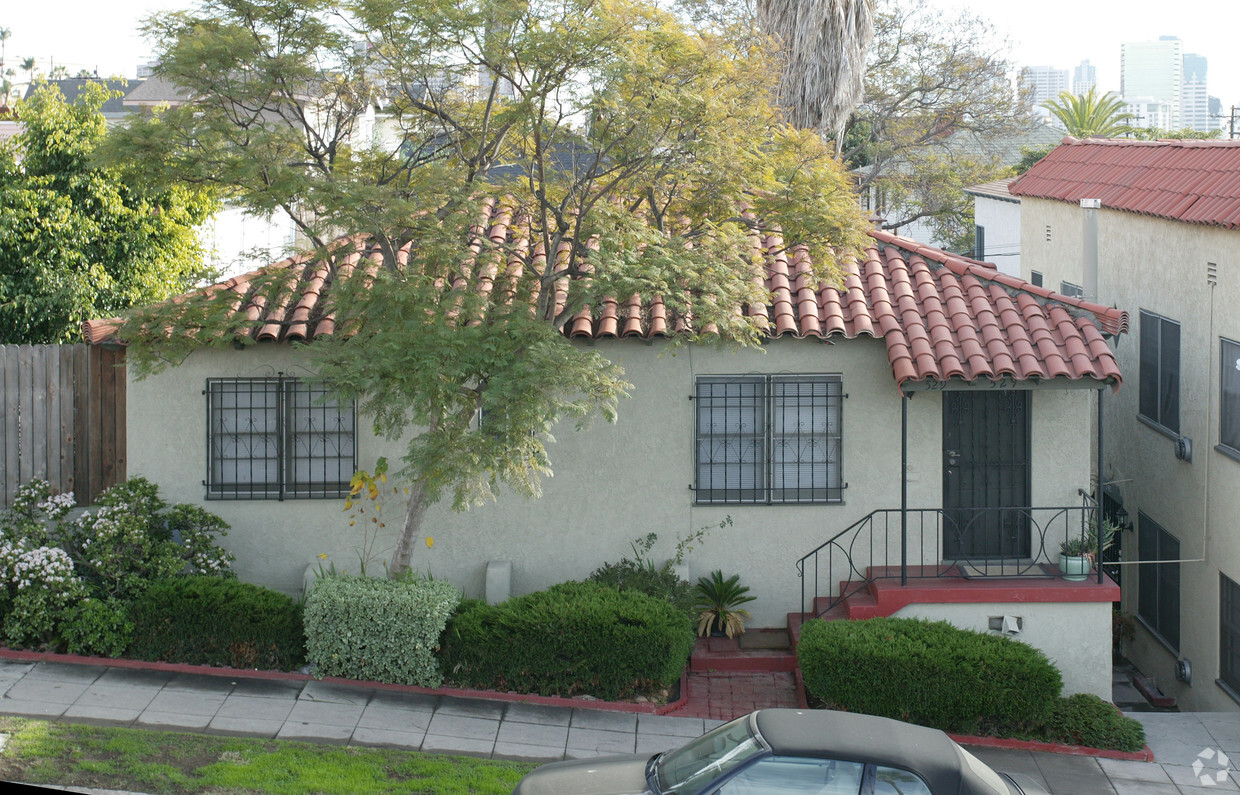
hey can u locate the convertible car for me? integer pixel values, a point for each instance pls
(787, 751)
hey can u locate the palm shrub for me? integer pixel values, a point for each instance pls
(718, 604)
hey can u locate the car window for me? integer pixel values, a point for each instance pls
(692, 768)
(890, 781)
(796, 775)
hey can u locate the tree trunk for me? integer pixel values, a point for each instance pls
(410, 532)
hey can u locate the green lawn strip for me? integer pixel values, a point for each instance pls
(167, 762)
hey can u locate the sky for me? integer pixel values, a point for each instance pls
(103, 34)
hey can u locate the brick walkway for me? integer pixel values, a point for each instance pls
(723, 695)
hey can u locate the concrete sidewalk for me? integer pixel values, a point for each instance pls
(361, 715)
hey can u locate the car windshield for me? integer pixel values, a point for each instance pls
(691, 768)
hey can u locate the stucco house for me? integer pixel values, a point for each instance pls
(927, 382)
(1153, 227)
(996, 226)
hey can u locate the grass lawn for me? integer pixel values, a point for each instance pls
(72, 755)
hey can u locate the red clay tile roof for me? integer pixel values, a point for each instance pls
(1192, 181)
(941, 316)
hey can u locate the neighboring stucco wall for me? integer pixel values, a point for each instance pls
(1161, 266)
(1066, 632)
(1001, 220)
(613, 483)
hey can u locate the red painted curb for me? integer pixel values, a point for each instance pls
(1144, 755)
(248, 673)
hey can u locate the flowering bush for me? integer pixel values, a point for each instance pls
(35, 513)
(197, 529)
(99, 628)
(118, 553)
(38, 586)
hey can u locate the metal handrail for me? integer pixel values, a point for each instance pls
(878, 534)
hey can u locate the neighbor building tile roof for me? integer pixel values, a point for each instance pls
(1192, 181)
(941, 316)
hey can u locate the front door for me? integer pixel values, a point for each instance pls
(986, 473)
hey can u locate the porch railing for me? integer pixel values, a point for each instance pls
(933, 547)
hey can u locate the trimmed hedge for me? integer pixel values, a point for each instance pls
(204, 620)
(930, 673)
(378, 630)
(1085, 719)
(574, 638)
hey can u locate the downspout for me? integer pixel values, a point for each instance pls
(1098, 493)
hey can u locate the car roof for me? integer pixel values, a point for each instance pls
(850, 736)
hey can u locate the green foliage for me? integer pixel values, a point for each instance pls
(98, 628)
(204, 620)
(1030, 155)
(1084, 719)
(643, 153)
(38, 589)
(378, 630)
(81, 241)
(929, 673)
(639, 573)
(1183, 134)
(718, 604)
(1090, 115)
(1086, 544)
(572, 639)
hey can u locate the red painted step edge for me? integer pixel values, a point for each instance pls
(487, 695)
(1144, 755)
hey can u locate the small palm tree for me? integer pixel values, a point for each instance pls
(718, 603)
(1089, 115)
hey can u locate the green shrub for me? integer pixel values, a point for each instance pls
(1085, 719)
(629, 575)
(574, 638)
(98, 628)
(930, 673)
(207, 620)
(378, 630)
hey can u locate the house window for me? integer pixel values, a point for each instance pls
(1229, 395)
(1158, 602)
(768, 439)
(277, 438)
(1035, 277)
(1071, 290)
(1159, 399)
(979, 242)
(1229, 633)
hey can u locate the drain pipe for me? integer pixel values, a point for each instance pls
(1098, 492)
(904, 490)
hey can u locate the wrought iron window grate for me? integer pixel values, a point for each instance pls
(277, 438)
(768, 439)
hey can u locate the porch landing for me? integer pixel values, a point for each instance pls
(884, 596)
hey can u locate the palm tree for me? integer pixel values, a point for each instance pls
(823, 44)
(1089, 115)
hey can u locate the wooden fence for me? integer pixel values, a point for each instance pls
(62, 418)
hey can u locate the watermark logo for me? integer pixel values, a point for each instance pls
(1211, 767)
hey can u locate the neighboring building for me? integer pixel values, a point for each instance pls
(1194, 99)
(1152, 71)
(1150, 112)
(114, 110)
(1045, 83)
(1167, 247)
(1084, 77)
(798, 443)
(996, 218)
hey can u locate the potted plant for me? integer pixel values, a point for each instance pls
(1076, 555)
(718, 605)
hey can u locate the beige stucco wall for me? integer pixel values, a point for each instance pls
(612, 483)
(1065, 632)
(1161, 266)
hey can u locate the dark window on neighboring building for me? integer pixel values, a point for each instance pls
(1229, 395)
(1229, 633)
(768, 439)
(1158, 601)
(1071, 290)
(979, 242)
(1159, 399)
(277, 438)
(1035, 277)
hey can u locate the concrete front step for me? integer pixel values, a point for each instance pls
(728, 654)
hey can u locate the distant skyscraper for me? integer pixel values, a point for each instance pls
(1084, 77)
(1194, 101)
(1153, 70)
(1045, 82)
